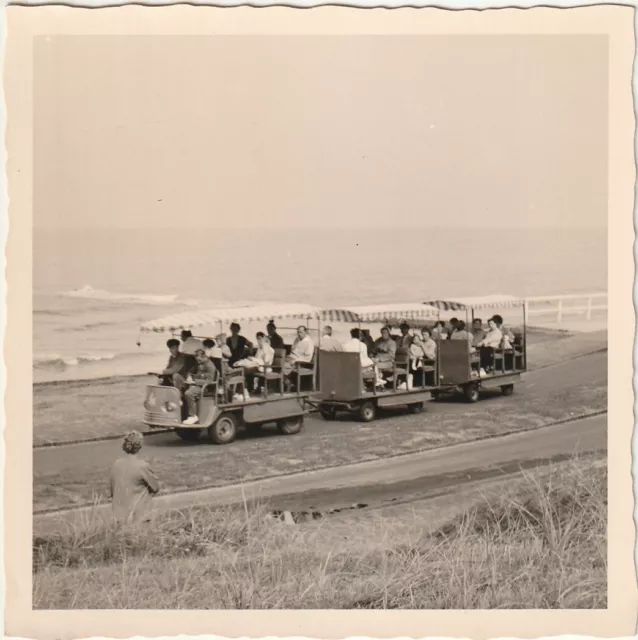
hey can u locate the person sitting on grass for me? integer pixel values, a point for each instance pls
(178, 366)
(133, 483)
(203, 375)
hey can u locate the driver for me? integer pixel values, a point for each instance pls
(178, 366)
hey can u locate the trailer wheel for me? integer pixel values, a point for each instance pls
(367, 412)
(329, 413)
(189, 435)
(290, 426)
(416, 407)
(471, 393)
(224, 429)
(507, 389)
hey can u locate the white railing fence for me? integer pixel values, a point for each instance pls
(582, 304)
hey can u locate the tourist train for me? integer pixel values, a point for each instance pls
(218, 384)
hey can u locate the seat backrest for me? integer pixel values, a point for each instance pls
(279, 359)
(402, 356)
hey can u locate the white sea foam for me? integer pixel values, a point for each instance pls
(87, 291)
(58, 359)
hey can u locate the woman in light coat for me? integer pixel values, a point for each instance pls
(133, 483)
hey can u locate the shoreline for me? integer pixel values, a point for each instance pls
(102, 379)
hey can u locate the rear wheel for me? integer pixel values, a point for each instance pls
(189, 435)
(290, 426)
(224, 429)
(471, 393)
(507, 389)
(367, 412)
(416, 407)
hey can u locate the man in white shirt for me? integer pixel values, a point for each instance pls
(189, 344)
(302, 350)
(328, 343)
(355, 345)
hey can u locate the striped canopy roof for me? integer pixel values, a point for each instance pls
(483, 302)
(212, 317)
(399, 311)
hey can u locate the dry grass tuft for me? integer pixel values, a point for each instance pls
(542, 545)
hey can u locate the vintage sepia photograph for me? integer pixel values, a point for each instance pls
(320, 321)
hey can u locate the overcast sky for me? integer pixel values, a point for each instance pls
(467, 131)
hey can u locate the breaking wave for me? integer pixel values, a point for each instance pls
(89, 292)
(57, 359)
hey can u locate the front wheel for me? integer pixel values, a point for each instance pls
(471, 393)
(189, 435)
(224, 429)
(290, 426)
(367, 412)
(507, 389)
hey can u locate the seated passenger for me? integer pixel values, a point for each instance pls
(261, 361)
(263, 357)
(439, 332)
(276, 341)
(427, 344)
(177, 367)
(508, 335)
(477, 331)
(221, 349)
(239, 345)
(328, 343)
(302, 350)
(204, 374)
(452, 327)
(406, 339)
(492, 340)
(461, 333)
(355, 345)
(190, 344)
(384, 351)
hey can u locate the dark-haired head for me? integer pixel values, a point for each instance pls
(260, 334)
(186, 334)
(208, 343)
(235, 328)
(173, 342)
(355, 333)
(498, 319)
(460, 325)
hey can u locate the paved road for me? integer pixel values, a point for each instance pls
(415, 476)
(590, 369)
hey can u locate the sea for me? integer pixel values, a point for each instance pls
(93, 288)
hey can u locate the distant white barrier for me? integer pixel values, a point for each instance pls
(574, 304)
